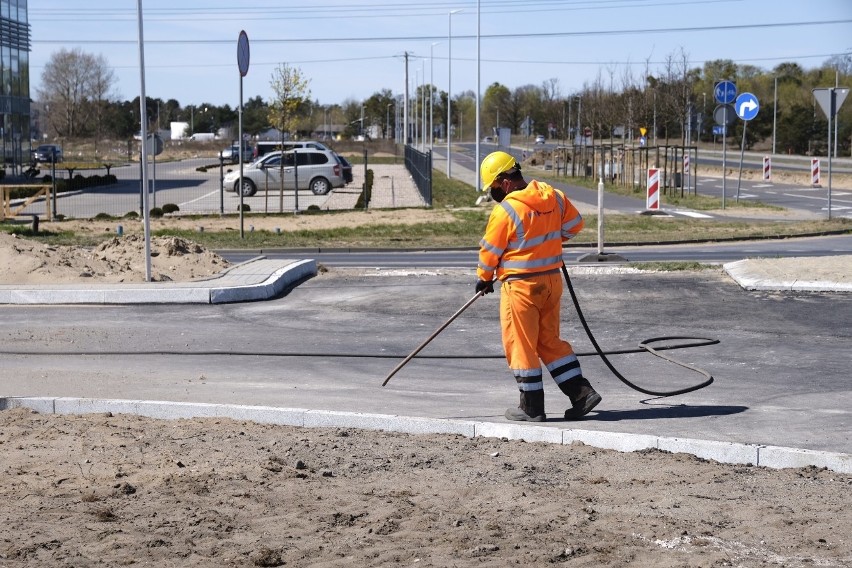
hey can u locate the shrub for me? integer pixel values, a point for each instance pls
(245, 207)
(131, 215)
(170, 208)
(103, 216)
(47, 178)
(366, 194)
(156, 212)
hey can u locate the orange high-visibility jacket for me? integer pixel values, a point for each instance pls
(525, 233)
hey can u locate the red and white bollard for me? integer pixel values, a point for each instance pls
(686, 164)
(653, 185)
(767, 168)
(815, 172)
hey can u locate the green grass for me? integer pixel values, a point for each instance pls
(668, 197)
(466, 228)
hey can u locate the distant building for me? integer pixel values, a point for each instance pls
(14, 82)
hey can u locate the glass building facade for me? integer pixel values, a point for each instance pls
(14, 82)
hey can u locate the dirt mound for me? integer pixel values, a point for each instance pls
(120, 259)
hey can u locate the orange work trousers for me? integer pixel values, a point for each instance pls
(529, 317)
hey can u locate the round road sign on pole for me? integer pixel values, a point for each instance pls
(243, 53)
(725, 92)
(725, 115)
(154, 145)
(747, 106)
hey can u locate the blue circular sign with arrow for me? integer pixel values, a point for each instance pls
(746, 106)
(725, 92)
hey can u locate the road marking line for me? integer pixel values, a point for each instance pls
(693, 214)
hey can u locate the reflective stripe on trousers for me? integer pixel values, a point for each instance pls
(529, 317)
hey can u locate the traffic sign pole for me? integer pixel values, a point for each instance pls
(243, 58)
(724, 157)
(746, 107)
(725, 92)
(830, 101)
(742, 152)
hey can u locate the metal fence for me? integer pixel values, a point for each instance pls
(194, 184)
(419, 165)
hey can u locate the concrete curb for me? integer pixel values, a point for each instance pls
(243, 285)
(724, 452)
(743, 274)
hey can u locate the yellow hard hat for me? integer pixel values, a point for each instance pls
(493, 165)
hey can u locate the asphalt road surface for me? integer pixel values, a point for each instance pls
(781, 368)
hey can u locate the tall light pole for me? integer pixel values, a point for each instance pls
(478, 91)
(423, 110)
(774, 114)
(431, 95)
(450, 89)
(387, 121)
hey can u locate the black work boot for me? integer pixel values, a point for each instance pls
(583, 397)
(531, 408)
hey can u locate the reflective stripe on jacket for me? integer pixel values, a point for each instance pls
(525, 232)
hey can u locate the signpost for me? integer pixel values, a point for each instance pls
(154, 146)
(830, 101)
(243, 53)
(724, 92)
(746, 108)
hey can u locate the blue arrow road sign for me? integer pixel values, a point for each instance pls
(718, 130)
(725, 92)
(747, 106)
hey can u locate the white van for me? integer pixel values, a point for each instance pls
(263, 147)
(202, 136)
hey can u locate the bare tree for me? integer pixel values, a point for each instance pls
(75, 86)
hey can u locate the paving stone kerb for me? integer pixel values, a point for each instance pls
(724, 452)
(257, 279)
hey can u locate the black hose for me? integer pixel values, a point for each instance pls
(643, 346)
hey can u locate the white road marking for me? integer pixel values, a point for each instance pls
(693, 214)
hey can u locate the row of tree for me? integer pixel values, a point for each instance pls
(674, 103)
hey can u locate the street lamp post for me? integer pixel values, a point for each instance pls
(431, 95)
(387, 121)
(450, 89)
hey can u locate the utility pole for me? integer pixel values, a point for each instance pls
(405, 104)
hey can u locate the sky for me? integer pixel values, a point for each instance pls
(352, 49)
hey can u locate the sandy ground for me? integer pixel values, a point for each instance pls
(122, 259)
(118, 490)
(121, 490)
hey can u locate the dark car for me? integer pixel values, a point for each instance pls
(47, 153)
(346, 167)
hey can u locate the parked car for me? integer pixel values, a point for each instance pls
(263, 147)
(232, 153)
(347, 168)
(539, 139)
(48, 152)
(318, 170)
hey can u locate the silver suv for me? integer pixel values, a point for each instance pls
(317, 170)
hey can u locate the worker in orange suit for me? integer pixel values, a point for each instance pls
(522, 248)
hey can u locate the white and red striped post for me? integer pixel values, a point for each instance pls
(685, 164)
(767, 168)
(815, 172)
(653, 185)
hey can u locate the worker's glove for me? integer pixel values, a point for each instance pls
(485, 286)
